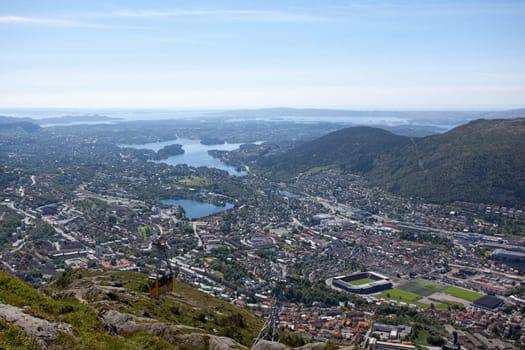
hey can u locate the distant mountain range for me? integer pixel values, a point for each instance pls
(481, 161)
(58, 120)
(75, 119)
(437, 117)
(9, 124)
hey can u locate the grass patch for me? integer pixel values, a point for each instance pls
(13, 337)
(422, 287)
(361, 281)
(399, 295)
(461, 293)
(421, 338)
(195, 181)
(190, 307)
(88, 330)
(186, 306)
(318, 169)
(407, 297)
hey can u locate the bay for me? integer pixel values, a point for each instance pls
(195, 209)
(195, 154)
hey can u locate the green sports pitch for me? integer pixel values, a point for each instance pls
(399, 295)
(413, 291)
(462, 293)
(361, 281)
(422, 287)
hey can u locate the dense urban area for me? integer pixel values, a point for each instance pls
(434, 275)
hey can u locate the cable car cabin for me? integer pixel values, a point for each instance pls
(160, 283)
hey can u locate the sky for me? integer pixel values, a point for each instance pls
(256, 54)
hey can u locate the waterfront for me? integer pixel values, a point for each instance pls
(195, 209)
(195, 154)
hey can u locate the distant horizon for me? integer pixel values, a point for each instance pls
(378, 108)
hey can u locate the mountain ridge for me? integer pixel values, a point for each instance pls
(479, 161)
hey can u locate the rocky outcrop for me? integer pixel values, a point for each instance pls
(184, 336)
(35, 328)
(269, 345)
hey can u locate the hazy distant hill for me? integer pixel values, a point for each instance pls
(75, 119)
(360, 117)
(480, 161)
(9, 124)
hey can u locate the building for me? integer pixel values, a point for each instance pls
(508, 255)
(488, 302)
(375, 344)
(372, 282)
(391, 332)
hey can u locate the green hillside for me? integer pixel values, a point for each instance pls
(81, 299)
(353, 149)
(482, 161)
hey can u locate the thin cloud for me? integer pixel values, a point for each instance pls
(245, 15)
(437, 8)
(176, 40)
(240, 15)
(21, 20)
(35, 20)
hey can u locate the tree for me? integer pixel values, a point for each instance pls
(435, 340)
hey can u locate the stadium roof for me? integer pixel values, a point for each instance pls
(488, 302)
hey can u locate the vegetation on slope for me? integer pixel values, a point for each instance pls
(12, 337)
(353, 149)
(124, 292)
(481, 161)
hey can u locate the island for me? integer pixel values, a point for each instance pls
(168, 151)
(210, 141)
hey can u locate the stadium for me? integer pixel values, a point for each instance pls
(362, 282)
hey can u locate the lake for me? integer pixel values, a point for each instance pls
(195, 154)
(196, 209)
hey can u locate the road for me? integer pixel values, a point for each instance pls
(59, 230)
(8, 267)
(20, 211)
(199, 240)
(150, 246)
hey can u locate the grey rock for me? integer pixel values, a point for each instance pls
(122, 323)
(36, 328)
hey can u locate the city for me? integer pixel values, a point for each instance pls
(444, 260)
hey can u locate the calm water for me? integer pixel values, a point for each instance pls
(289, 194)
(195, 209)
(195, 154)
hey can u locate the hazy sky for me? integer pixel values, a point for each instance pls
(232, 54)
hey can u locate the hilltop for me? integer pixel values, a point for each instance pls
(353, 149)
(480, 161)
(110, 309)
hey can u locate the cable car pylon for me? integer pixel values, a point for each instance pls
(270, 330)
